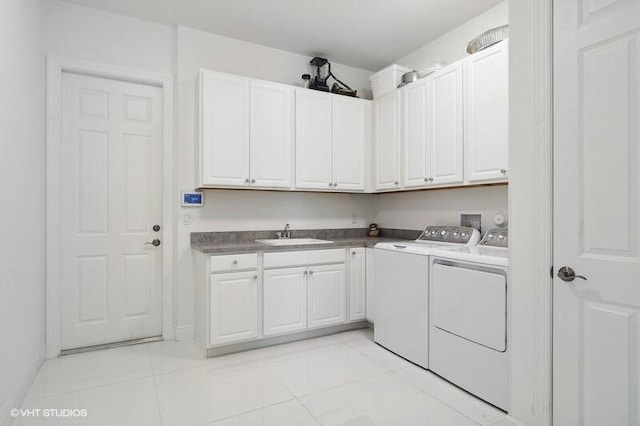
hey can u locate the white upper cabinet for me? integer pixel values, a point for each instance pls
(415, 135)
(271, 135)
(446, 126)
(486, 111)
(349, 133)
(387, 142)
(331, 141)
(224, 130)
(246, 132)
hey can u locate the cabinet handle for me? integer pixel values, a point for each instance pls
(395, 183)
(255, 277)
(430, 179)
(426, 179)
(353, 253)
(503, 171)
(235, 262)
(247, 180)
(253, 181)
(335, 183)
(310, 272)
(305, 272)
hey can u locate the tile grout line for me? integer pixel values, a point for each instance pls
(155, 388)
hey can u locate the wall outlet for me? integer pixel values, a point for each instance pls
(186, 218)
(354, 218)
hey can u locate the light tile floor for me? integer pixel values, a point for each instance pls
(344, 379)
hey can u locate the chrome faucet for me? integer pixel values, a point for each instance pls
(285, 234)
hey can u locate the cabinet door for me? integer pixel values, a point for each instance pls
(224, 127)
(313, 140)
(387, 147)
(369, 284)
(486, 114)
(415, 116)
(357, 284)
(349, 121)
(271, 135)
(233, 307)
(285, 300)
(446, 125)
(326, 295)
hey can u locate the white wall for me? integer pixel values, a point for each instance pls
(452, 46)
(22, 217)
(416, 209)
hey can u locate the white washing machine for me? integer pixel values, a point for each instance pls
(401, 289)
(468, 336)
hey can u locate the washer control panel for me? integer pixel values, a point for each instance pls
(496, 237)
(450, 234)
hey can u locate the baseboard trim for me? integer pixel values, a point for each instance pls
(15, 398)
(184, 332)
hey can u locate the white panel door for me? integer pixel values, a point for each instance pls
(326, 295)
(285, 300)
(349, 121)
(387, 147)
(224, 124)
(233, 307)
(596, 359)
(313, 140)
(486, 114)
(357, 284)
(415, 135)
(271, 135)
(446, 126)
(111, 199)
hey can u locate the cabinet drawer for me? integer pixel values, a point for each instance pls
(234, 262)
(303, 258)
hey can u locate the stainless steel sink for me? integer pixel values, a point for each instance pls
(293, 241)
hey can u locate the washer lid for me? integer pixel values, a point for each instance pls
(495, 256)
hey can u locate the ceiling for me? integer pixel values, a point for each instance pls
(368, 34)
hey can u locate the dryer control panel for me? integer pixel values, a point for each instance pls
(496, 237)
(450, 234)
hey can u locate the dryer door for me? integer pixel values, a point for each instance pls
(470, 302)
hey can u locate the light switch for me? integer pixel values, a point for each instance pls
(186, 219)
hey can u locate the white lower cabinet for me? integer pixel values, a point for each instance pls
(369, 283)
(233, 301)
(285, 300)
(326, 296)
(357, 284)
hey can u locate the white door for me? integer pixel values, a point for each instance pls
(326, 295)
(111, 200)
(233, 307)
(387, 147)
(224, 123)
(285, 300)
(313, 140)
(446, 125)
(486, 114)
(415, 116)
(349, 121)
(357, 284)
(597, 212)
(271, 135)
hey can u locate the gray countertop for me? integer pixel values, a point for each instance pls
(253, 246)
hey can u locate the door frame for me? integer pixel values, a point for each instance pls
(56, 66)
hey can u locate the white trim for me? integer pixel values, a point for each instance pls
(56, 65)
(19, 392)
(184, 332)
(543, 214)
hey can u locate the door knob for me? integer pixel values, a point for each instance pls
(156, 228)
(154, 243)
(567, 274)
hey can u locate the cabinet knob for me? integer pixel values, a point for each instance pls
(426, 179)
(330, 183)
(310, 272)
(396, 183)
(235, 262)
(335, 183)
(353, 253)
(255, 277)
(430, 179)
(503, 171)
(253, 181)
(247, 180)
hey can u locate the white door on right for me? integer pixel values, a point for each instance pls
(596, 345)
(486, 114)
